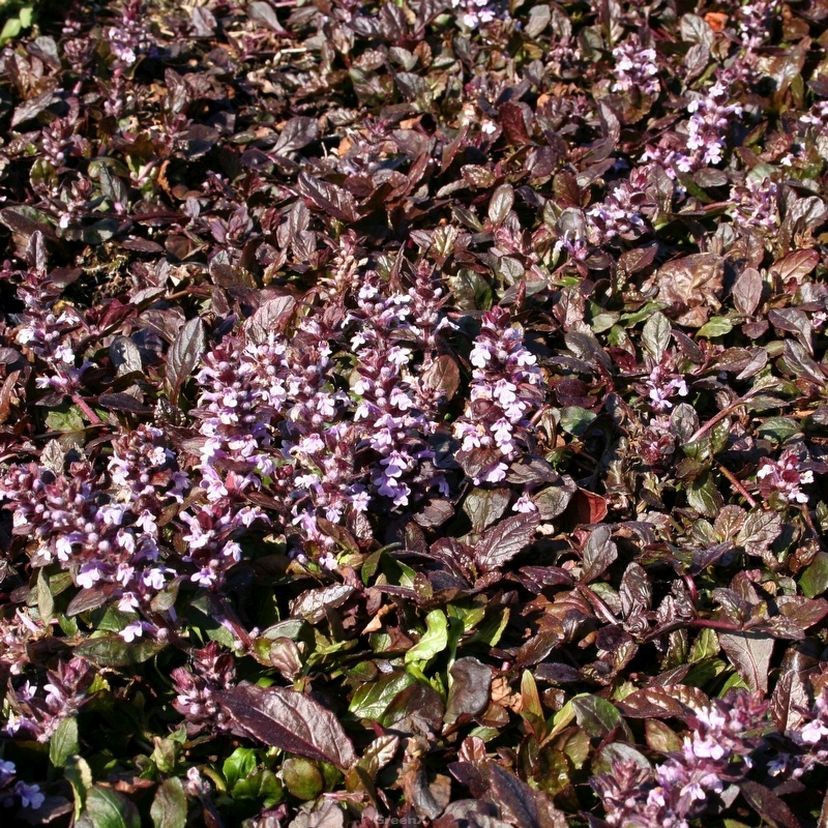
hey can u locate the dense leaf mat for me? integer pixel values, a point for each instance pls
(413, 412)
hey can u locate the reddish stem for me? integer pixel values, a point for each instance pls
(81, 403)
(737, 484)
(698, 623)
(715, 419)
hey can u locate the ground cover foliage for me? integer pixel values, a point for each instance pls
(413, 410)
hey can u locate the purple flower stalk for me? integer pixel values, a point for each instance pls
(716, 751)
(620, 214)
(474, 13)
(82, 527)
(37, 710)
(130, 38)
(636, 67)
(756, 204)
(505, 392)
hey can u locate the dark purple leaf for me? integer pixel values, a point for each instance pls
(504, 540)
(790, 699)
(773, 811)
(691, 284)
(283, 718)
(33, 107)
(297, 133)
(469, 691)
(314, 604)
(184, 355)
(485, 506)
(328, 198)
(598, 553)
(501, 204)
(442, 375)
(747, 292)
(553, 500)
(518, 803)
(513, 120)
(91, 598)
(750, 654)
(262, 12)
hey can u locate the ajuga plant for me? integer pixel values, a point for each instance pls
(414, 412)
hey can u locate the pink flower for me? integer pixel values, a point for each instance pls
(132, 631)
(784, 477)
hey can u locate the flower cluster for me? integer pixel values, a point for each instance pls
(273, 418)
(77, 524)
(50, 336)
(504, 394)
(784, 477)
(474, 13)
(130, 38)
(16, 635)
(755, 20)
(636, 67)
(213, 669)
(662, 385)
(814, 733)
(16, 792)
(715, 752)
(621, 214)
(146, 472)
(397, 407)
(705, 135)
(657, 443)
(808, 741)
(710, 117)
(756, 204)
(36, 711)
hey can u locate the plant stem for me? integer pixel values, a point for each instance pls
(81, 403)
(737, 484)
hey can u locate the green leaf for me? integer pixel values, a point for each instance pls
(656, 335)
(704, 497)
(705, 646)
(78, 774)
(485, 506)
(45, 601)
(779, 428)
(302, 778)
(433, 641)
(113, 651)
(169, 808)
(67, 419)
(470, 291)
(596, 715)
(576, 420)
(717, 326)
(814, 580)
(371, 699)
(64, 742)
(262, 786)
(239, 764)
(492, 629)
(106, 808)
(11, 29)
